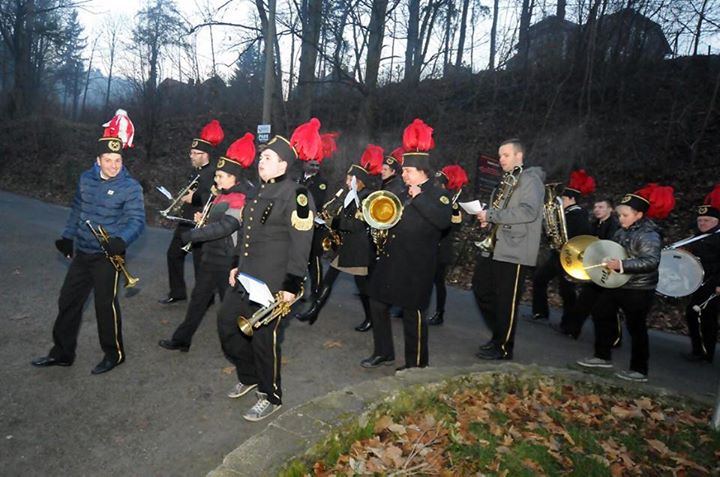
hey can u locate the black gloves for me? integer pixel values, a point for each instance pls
(115, 246)
(65, 246)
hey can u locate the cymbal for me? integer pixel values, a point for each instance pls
(596, 254)
(571, 256)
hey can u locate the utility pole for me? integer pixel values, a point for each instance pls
(269, 63)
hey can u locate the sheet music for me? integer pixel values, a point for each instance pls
(257, 290)
(352, 195)
(473, 207)
(164, 192)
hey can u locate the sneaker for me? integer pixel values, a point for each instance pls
(595, 363)
(262, 408)
(633, 376)
(240, 389)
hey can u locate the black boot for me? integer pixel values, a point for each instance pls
(437, 318)
(364, 326)
(367, 324)
(311, 315)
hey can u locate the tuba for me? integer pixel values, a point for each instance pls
(266, 314)
(501, 199)
(554, 215)
(117, 261)
(381, 210)
(173, 210)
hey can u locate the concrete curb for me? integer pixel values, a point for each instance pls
(299, 429)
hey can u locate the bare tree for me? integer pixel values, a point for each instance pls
(310, 16)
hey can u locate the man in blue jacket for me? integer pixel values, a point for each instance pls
(108, 196)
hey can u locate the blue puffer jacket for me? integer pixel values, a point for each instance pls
(116, 204)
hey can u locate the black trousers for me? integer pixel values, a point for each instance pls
(360, 282)
(315, 261)
(415, 331)
(257, 358)
(89, 272)
(497, 287)
(573, 319)
(440, 290)
(703, 326)
(207, 282)
(636, 304)
(541, 279)
(176, 262)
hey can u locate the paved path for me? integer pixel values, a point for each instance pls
(165, 413)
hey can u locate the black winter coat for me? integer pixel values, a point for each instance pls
(576, 220)
(403, 274)
(355, 249)
(643, 243)
(605, 229)
(396, 185)
(202, 193)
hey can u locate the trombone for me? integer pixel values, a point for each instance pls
(172, 211)
(266, 314)
(117, 261)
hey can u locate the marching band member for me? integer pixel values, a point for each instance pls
(218, 237)
(576, 220)
(353, 255)
(403, 274)
(107, 196)
(701, 313)
(498, 278)
(451, 178)
(642, 240)
(203, 165)
(274, 247)
(391, 174)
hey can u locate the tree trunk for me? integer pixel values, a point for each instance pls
(448, 22)
(413, 41)
(698, 30)
(376, 35)
(463, 27)
(493, 34)
(561, 9)
(523, 40)
(87, 77)
(311, 19)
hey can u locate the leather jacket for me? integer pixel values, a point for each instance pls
(643, 243)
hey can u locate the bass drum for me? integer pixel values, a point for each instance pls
(680, 273)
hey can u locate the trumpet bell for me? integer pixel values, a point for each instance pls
(382, 210)
(571, 256)
(245, 326)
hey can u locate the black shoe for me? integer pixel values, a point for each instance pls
(488, 345)
(170, 300)
(311, 315)
(173, 345)
(106, 365)
(561, 329)
(47, 361)
(437, 318)
(364, 326)
(375, 361)
(493, 354)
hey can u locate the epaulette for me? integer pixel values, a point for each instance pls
(302, 217)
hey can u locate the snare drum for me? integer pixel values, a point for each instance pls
(680, 273)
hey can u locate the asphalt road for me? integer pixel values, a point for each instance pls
(165, 413)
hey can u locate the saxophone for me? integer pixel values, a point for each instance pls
(503, 192)
(554, 215)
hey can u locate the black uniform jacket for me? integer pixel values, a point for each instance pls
(576, 220)
(707, 251)
(606, 229)
(445, 247)
(643, 243)
(396, 185)
(355, 248)
(277, 234)
(317, 186)
(404, 273)
(202, 193)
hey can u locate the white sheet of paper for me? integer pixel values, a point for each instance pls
(257, 290)
(164, 192)
(319, 221)
(352, 195)
(472, 207)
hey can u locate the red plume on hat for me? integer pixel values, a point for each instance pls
(457, 177)
(329, 146)
(417, 137)
(582, 182)
(398, 154)
(120, 127)
(306, 141)
(212, 133)
(372, 159)
(713, 198)
(242, 151)
(661, 200)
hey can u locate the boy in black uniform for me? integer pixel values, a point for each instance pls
(203, 165)
(403, 274)
(702, 320)
(275, 243)
(391, 174)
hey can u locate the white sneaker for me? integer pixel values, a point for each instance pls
(240, 389)
(633, 376)
(595, 363)
(262, 408)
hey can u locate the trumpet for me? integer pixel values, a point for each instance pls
(334, 237)
(266, 314)
(381, 210)
(202, 221)
(173, 210)
(117, 261)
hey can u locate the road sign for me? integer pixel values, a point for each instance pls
(263, 132)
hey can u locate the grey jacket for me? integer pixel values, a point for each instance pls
(518, 237)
